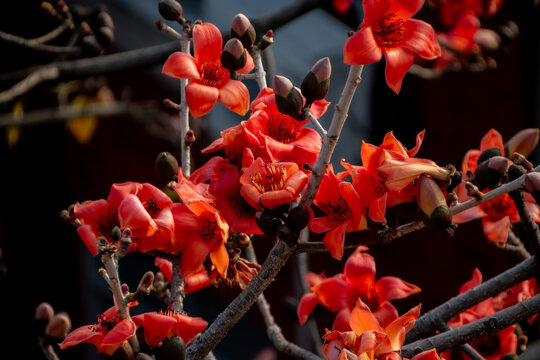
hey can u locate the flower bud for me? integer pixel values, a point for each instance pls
(44, 312)
(116, 234)
(244, 239)
(146, 283)
(286, 234)
(298, 218)
(524, 142)
(432, 204)
(487, 39)
(90, 45)
(170, 10)
(317, 81)
(242, 30)
(532, 184)
(515, 171)
(488, 153)
(233, 56)
(58, 327)
(267, 222)
(105, 36)
(166, 166)
(124, 352)
(143, 356)
(174, 349)
(510, 356)
(489, 173)
(289, 100)
(103, 19)
(267, 40)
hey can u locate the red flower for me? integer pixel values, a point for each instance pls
(159, 326)
(200, 231)
(195, 281)
(387, 29)
(344, 211)
(461, 38)
(369, 339)
(341, 292)
(268, 131)
(210, 81)
(107, 335)
(273, 184)
(370, 182)
(493, 346)
(143, 208)
(451, 10)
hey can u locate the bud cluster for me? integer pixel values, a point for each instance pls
(50, 326)
(286, 226)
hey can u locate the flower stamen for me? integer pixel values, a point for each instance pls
(389, 30)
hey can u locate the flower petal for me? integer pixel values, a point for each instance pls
(188, 327)
(306, 306)
(156, 328)
(85, 333)
(220, 259)
(404, 9)
(398, 61)
(133, 215)
(361, 48)
(180, 65)
(235, 96)
(362, 319)
(360, 269)
(116, 337)
(207, 43)
(496, 231)
(420, 38)
(390, 288)
(334, 240)
(492, 139)
(374, 10)
(200, 98)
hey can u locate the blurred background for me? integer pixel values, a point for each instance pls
(49, 161)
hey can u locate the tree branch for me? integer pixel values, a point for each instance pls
(427, 323)
(475, 330)
(38, 46)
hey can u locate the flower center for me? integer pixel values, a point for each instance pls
(283, 128)
(380, 188)
(105, 324)
(210, 231)
(389, 31)
(271, 177)
(213, 74)
(337, 211)
(151, 207)
(498, 207)
(106, 221)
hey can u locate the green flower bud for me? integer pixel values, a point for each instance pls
(233, 56)
(242, 30)
(170, 10)
(173, 349)
(298, 218)
(317, 81)
(166, 166)
(286, 234)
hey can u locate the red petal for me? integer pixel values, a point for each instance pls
(473, 282)
(207, 43)
(189, 327)
(133, 215)
(157, 327)
(235, 96)
(374, 10)
(385, 313)
(361, 48)
(342, 320)
(273, 199)
(362, 319)
(360, 269)
(419, 140)
(220, 259)
(200, 98)
(165, 266)
(390, 288)
(306, 306)
(404, 9)
(88, 211)
(421, 39)
(334, 240)
(496, 231)
(116, 337)
(89, 238)
(336, 293)
(181, 66)
(83, 334)
(120, 191)
(492, 139)
(398, 61)
(318, 108)
(427, 355)
(194, 253)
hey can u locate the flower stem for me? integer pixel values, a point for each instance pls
(330, 140)
(177, 288)
(260, 74)
(316, 124)
(184, 115)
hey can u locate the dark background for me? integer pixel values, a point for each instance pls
(44, 260)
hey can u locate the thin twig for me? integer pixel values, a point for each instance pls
(177, 288)
(316, 124)
(43, 74)
(38, 46)
(260, 75)
(427, 323)
(250, 76)
(475, 330)
(239, 306)
(532, 233)
(47, 350)
(515, 245)
(330, 140)
(184, 114)
(53, 34)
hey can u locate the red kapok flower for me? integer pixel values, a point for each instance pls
(344, 211)
(387, 29)
(210, 82)
(107, 335)
(195, 281)
(341, 292)
(273, 184)
(159, 326)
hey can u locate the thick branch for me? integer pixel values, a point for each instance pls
(236, 309)
(475, 330)
(332, 136)
(532, 233)
(427, 323)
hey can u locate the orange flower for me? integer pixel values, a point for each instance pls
(387, 29)
(210, 82)
(273, 184)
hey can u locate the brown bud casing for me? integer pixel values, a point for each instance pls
(490, 172)
(233, 56)
(532, 184)
(58, 327)
(173, 349)
(166, 166)
(170, 10)
(289, 100)
(267, 222)
(432, 204)
(524, 142)
(298, 218)
(286, 234)
(317, 81)
(242, 30)
(488, 153)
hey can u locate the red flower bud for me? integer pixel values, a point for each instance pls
(233, 56)
(59, 326)
(242, 29)
(267, 40)
(317, 81)
(524, 142)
